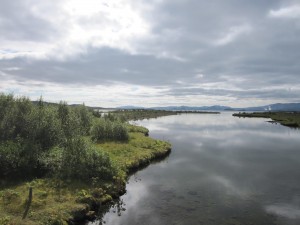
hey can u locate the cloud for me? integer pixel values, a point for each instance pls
(12, 69)
(290, 12)
(193, 52)
(66, 28)
(233, 33)
(199, 76)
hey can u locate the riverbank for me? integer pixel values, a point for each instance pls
(68, 201)
(290, 119)
(140, 114)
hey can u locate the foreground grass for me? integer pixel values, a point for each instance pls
(290, 119)
(140, 150)
(58, 202)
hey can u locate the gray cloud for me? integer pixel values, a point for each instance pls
(239, 50)
(18, 21)
(239, 94)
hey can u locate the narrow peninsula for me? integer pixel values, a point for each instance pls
(290, 119)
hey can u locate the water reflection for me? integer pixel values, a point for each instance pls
(222, 170)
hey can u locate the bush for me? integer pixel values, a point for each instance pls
(79, 160)
(14, 114)
(39, 135)
(85, 118)
(10, 154)
(120, 132)
(19, 158)
(44, 127)
(107, 130)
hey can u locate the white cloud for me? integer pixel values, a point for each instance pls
(12, 69)
(229, 186)
(286, 12)
(233, 33)
(115, 94)
(199, 76)
(115, 23)
(168, 55)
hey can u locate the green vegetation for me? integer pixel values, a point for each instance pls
(290, 119)
(74, 162)
(104, 129)
(140, 114)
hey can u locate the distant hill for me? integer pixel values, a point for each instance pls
(276, 107)
(130, 107)
(272, 107)
(193, 108)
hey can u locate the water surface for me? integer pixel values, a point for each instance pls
(222, 170)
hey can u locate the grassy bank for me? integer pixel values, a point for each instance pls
(73, 161)
(60, 202)
(140, 114)
(290, 119)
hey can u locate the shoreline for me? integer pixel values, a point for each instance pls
(142, 163)
(107, 204)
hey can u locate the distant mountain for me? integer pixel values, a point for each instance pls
(276, 107)
(130, 107)
(272, 107)
(193, 108)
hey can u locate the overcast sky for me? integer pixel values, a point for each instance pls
(151, 52)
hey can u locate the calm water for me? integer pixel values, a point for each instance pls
(222, 170)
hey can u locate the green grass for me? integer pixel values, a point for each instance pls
(56, 202)
(137, 129)
(53, 202)
(290, 119)
(138, 151)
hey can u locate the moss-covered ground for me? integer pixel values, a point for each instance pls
(57, 202)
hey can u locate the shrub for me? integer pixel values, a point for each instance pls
(10, 154)
(120, 132)
(85, 118)
(79, 160)
(108, 130)
(35, 136)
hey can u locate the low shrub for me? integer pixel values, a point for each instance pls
(78, 159)
(107, 130)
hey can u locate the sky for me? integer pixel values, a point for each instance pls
(148, 53)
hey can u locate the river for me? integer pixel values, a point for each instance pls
(222, 170)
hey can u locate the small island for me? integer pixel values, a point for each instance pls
(290, 119)
(60, 164)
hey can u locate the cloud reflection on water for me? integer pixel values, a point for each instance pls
(222, 170)
(285, 210)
